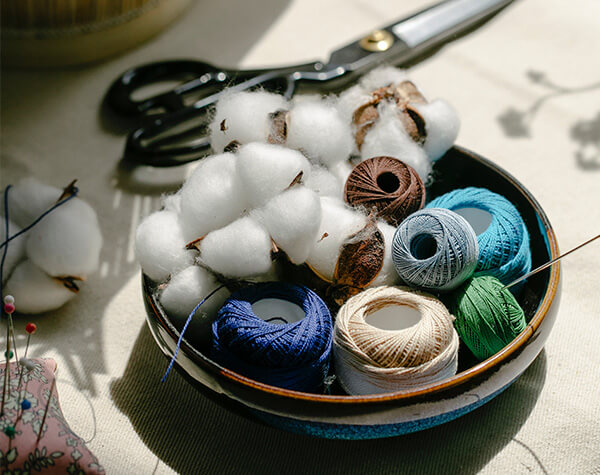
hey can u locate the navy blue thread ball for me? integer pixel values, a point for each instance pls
(291, 355)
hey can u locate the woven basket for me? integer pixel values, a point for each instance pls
(46, 33)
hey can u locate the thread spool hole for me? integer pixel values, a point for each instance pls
(275, 310)
(423, 246)
(388, 182)
(479, 219)
(394, 317)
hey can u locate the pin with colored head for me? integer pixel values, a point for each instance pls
(9, 304)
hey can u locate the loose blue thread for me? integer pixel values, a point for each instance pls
(38, 219)
(6, 229)
(187, 322)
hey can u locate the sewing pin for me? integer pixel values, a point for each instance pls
(9, 308)
(46, 409)
(24, 404)
(30, 328)
(548, 264)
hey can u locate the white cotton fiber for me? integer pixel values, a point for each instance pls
(240, 249)
(184, 291)
(338, 222)
(212, 197)
(442, 125)
(160, 246)
(266, 170)
(16, 247)
(388, 137)
(387, 275)
(292, 219)
(324, 183)
(360, 94)
(187, 288)
(172, 202)
(246, 116)
(317, 129)
(383, 76)
(67, 242)
(341, 170)
(28, 199)
(34, 290)
(350, 100)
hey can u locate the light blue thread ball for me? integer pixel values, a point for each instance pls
(435, 249)
(504, 250)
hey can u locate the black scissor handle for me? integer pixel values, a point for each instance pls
(198, 81)
(194, 75)
(182, 136)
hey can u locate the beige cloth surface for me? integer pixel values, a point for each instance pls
(527, 87)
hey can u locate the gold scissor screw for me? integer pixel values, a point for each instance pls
(378, 40)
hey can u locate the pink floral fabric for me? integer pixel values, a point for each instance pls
(59, 450)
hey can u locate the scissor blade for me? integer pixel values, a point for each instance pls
(415, 34)
(444, 20)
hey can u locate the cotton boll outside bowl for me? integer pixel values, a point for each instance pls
(390, 414)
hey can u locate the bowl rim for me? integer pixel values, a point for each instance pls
(487, 365)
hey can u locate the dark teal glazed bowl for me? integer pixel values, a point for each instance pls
(341, 416)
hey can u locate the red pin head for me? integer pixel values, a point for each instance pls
(9, 304)
(31, 328)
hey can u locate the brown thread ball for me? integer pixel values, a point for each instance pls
(386, 185)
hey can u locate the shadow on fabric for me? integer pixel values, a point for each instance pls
(517, 123)
(192, 434)
(56, 113)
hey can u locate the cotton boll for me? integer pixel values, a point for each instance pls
(240, 249)
(338, 223)
(246, 116)
(185, 290)
(28, 199)
(388, 138)
(16, 247)
(293, 218)
(350, 100)
(172, 202)
(324, 183)
(317, 128)
(266, 170)
(160, 246)
(341, 170)
(383, 76)
(442, 125)
(387, 275)
(212, 197)
(67, 242)
(188, 288)
(35, 291)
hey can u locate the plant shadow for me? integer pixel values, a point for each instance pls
(517, 123)
(190, 433)
(586, 133)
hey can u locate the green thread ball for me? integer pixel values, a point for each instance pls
(487, 318)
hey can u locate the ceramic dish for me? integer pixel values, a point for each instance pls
(383, 415)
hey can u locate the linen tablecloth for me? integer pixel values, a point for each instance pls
(527, 88)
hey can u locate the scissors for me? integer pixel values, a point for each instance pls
(174, 123)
